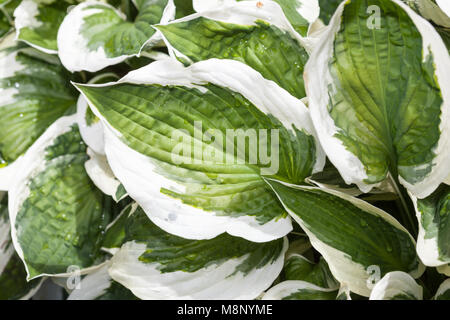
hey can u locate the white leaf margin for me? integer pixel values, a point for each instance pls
(349, 274)
(394, 283)
(427, 249)
(308, 9)
(100, 172)
(92, 134)
(437, 11)
(243, 13)
(6, 255)
(318, 79)
(32, 164)
(445, 7)
(72, 46)
(93, 285)
(443, 288)
(286, 288)
(5, 229)
(143, 185)
(8, 67)
(213, 282)
(25, 16)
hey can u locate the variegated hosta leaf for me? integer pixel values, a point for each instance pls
(300, 13)
(397, 285)
(95, 35)
(160, 124)
(13, 283)
(443, 293)
(379, 96)
(34, 92)
(57, 214)
(358, 240)
(298, 267)
(299, 290)
(256, 33)
(37, 22)
(437, 11)
(98, 285)
(154, 264)
(433, 214)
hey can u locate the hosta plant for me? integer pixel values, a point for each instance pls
(224, 149)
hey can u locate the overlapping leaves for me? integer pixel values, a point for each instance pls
(209, 221)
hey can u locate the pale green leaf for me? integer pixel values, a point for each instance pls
(444, 269)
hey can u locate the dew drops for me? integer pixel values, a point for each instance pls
(191, 257)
